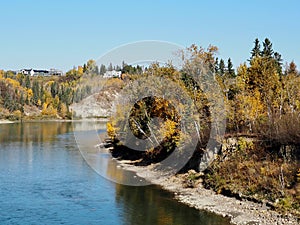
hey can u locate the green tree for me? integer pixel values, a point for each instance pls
(278, 62)
(217, 66)
(54, 89)
(91, 67)
(84, 68)
(36, 92)
(110, 67)
(66, 95)
(256, 52)
(27, 82)
(230, 69)
(222, 67)
(102, 69)
(267, 49)
(42, 93)
(97, 72)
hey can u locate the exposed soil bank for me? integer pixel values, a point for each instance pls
(239, 211)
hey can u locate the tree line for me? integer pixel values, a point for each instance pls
(20, 94)
(262, 111)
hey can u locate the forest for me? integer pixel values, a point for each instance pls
(260, 99)
(25, 97)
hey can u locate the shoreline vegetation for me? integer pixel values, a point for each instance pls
(239, 211)
(259, 160)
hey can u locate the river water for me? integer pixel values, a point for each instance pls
(45, 180)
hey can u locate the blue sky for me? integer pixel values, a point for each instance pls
(62, 34)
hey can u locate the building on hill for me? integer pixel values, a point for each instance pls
(55, 72)
(113, 73)
(44, 73)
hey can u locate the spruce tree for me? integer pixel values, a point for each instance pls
(97, 70)
(110, 67)
(278, 62)
(36, 92)
(217, 66)
(221, 67)
(230, 69)
(102, 69)
(267, 50)
(255, 52)
(27, 82)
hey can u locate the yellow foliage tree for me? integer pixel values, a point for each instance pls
(80, 70)
(29, 94)
(15, 84)
(17, 114)
(111, 131)
(249, 108)
(49, 110)
(169, 130)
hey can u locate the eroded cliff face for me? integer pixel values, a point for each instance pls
(97, 105)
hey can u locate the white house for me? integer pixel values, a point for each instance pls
(113, 73)
(33, 72)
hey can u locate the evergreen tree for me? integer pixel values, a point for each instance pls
(42, 92)
(255, 52)
(217, 66)
(110, 67)
(102, 69)
(267, 50)
(230, 69)
(84, 68)
(278, 62)
(222, 67)
(36, 92)
(118, 68)
(139, 69)
(97, 70)
(27, 82)
(54, 89)
(22, 100)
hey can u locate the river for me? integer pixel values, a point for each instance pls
(45, 180)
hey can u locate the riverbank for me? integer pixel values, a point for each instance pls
(5, 121)
(239, 211)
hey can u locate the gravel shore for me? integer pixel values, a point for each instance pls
(239, 211)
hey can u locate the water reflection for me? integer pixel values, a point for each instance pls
(27, 133)
(100, 160)
(151, 205)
